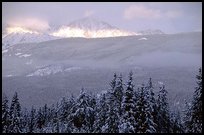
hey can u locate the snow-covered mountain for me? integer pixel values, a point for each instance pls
(90, 28)
(86, 28)
(25, 37)
(151, 32)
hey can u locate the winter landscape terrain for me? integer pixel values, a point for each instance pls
(63, 66)
(44, 67)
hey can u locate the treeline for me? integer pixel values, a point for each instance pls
(122, 109)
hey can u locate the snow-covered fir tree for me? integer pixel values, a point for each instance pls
(39, 121)
(194, 124)
(24, 122)
(144, 117)
(15, 115)
(197, 105)
(163, 118)
(112, 117)
(83, 117)
(45, 114)
(118, 93)
(127, 121)
(175, 123)
(152, 102)
(5, 114)
(114, 99)
(32, 120)
(101, 109)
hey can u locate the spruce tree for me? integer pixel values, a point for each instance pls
(118, 93)
(195, 122)
(32, 120)
(127, 121)
(84, 114)
(152, 103)
(5, 114)
(101, 115)
(163, 119)
(114, 99)
(24, 122)
(175, 123)
(111, 122)
(39, 121)
(145, 110)
(15, 115)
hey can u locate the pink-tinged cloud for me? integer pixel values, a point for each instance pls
(141, 12)
(30, 24)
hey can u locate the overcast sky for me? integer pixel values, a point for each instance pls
(168, 17)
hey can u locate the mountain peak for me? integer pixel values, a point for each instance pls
(90, 28)
(90, 23)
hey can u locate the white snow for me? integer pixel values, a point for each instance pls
(90, 28)
(16, 38)
(25, 55)
(18, 54)
(52, 69)
(72, 68)
(9, 75)
(160, 83)
(4, 51)
(142, 38)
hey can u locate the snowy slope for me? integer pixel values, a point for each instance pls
(16, 38)
(46, 71)
(177, 50)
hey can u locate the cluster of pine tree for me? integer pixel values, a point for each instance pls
(122, 109)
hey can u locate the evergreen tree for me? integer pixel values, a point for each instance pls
(145, 110)
(15, 115)
(127, 122)
(112, 118)
(114, 99)
(197, 105)
(163, 119)
(71, 103)
(31, 120)
(63, 110)
(101, 109)
(84, 114)
(5, 114)
(39, 121)
(55, 123)
(176, 125)
(24, 122)
(113, 82)
(118, 93)
(195, 120)
(45, 114)
(152, 103)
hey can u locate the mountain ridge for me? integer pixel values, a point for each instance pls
(85, 28)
